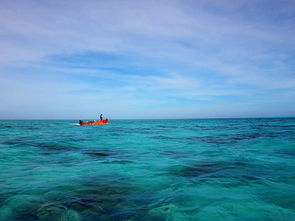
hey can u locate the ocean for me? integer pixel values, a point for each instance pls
(192, 169)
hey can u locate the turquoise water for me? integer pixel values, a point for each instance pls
(216, 169)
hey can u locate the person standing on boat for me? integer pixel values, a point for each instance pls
(101, 118)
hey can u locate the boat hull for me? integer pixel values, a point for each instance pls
(97, 122)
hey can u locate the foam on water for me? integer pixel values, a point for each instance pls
(222, 169)
(76, 124)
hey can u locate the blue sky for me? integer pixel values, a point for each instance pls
(147, 59)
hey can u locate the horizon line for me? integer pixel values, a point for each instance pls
(205, 118)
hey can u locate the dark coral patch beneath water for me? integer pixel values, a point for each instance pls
(98, 154)
(93, 198)
(221, 139)
(231, 139)
(106, 153)
(55, 147)
(205, 168)
(195, 170)
(45, 147)
(21, 141)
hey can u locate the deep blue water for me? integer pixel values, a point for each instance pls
(214, 169)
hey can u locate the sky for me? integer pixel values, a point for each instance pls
(75, 59)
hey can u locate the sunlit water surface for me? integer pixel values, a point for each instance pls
(216, 169)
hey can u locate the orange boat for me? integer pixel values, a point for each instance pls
(96, 122)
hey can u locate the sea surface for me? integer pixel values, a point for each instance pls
(200, 169)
